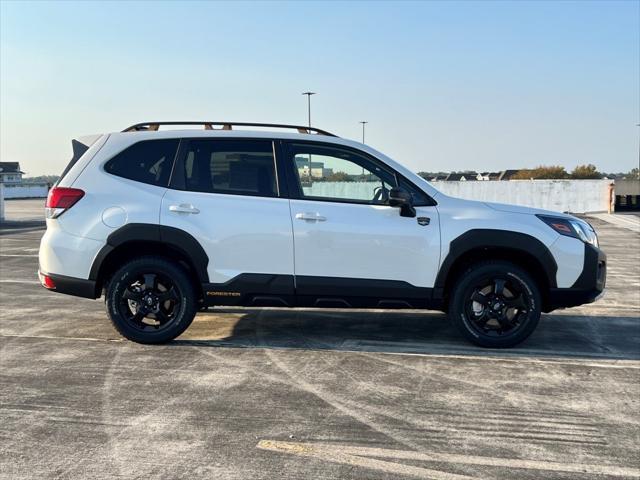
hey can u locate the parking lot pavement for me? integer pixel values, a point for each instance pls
(310, 394)
(629, 220)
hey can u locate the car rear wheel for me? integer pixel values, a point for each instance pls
(151, 300)
(495, 304)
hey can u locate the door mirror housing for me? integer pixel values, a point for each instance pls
(402, 199)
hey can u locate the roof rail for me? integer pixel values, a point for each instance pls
(153, 126)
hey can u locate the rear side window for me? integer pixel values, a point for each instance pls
(149, 162)
(238, 167)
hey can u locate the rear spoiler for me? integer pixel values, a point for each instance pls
(79, 145)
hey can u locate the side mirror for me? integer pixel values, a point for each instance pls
(401, 198)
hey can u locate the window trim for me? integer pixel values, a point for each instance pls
(178, 180)
(295, 187)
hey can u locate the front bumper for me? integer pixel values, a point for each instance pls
(588, 287)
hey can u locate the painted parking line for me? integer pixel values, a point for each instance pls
(26, 282)
(629, 222)
(369, 457)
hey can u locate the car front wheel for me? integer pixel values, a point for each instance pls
(495, 304)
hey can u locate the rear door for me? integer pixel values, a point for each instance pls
(348, 241)
(227, 195)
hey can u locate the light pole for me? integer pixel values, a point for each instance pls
(363, 124)
(308, 94)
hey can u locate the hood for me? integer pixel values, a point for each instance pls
(505, 207)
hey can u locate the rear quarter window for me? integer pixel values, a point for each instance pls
(149, 161)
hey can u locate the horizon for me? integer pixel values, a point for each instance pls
(483, 86)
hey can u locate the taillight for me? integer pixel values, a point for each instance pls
(46, 281)
(60, 199)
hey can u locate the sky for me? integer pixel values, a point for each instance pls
(444, 85)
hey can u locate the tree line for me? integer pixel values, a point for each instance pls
(583, 172)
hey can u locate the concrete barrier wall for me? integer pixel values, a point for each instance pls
(362, 190)
(627, 187)
(578, 196)
(26, 190)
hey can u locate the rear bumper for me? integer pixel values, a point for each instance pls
(588, 287)
(77, 287)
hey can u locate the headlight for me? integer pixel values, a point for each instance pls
(586, 233)
(571, 227)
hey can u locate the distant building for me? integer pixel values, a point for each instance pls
(317, 168)
(470, 175)
(10, 172)
(461, 177)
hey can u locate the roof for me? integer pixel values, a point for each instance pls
(507, 174)
(454, 176)
(120, 140)
(207, 125)
(460, 176)
(10, 167)
(303, 162)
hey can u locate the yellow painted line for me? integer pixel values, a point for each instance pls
(337, 455)
(361, 456)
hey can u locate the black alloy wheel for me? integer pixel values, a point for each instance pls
(151, 301)
(495, 304)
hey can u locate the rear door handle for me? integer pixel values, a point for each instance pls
(183, 208)
(313, 217)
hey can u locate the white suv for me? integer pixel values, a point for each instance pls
(166, 222)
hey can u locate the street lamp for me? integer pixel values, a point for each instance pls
(363, 124)
(308, 94)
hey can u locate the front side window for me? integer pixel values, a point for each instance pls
(327, 173)
(238, 167)
(418, 197)
(148, 161)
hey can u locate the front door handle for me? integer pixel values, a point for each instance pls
(183, 208)
(313, 217)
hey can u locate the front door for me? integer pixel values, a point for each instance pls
(348, 241)
(225, 193)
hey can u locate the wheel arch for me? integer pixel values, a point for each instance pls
(477, 245)
(137, 239)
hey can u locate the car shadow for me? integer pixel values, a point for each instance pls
(410, 332)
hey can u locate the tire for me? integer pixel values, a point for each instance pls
(151, 300)
(495, 304)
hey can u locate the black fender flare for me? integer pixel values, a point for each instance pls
(496, 239)
(171, 236)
